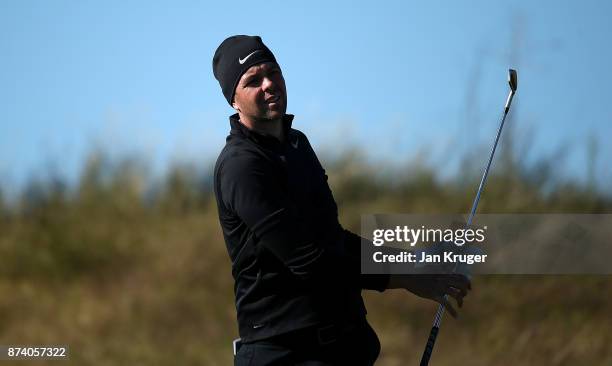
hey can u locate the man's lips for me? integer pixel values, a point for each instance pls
(273, 99)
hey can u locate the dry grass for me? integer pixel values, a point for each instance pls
(126, 282)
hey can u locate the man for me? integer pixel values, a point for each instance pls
(297, 271)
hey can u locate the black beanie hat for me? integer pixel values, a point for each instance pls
(233, 58)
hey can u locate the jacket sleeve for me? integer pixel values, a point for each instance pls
(355, 249)
(251, 188)
(352, 242)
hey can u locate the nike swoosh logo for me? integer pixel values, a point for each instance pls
(295, 145)
(243, 60)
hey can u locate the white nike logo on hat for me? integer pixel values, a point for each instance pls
(243, 60)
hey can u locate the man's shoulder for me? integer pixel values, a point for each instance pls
(299, 138)
(235, 146)
(237, 154)
(293, 134)
(296, 132)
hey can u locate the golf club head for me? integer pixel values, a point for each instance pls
(512, 79)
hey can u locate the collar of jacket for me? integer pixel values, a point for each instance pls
(237, 128)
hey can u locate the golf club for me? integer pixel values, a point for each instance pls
(433, 334)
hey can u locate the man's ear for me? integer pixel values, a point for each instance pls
(235, 106)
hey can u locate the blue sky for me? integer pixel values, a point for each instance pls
(393, 78)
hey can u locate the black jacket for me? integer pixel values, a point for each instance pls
(294, 265)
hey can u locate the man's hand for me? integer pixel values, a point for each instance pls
(434, 287)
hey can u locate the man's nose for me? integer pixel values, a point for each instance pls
(268, 85)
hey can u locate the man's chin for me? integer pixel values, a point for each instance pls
(274, 114)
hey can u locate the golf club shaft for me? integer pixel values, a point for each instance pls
(433, 334)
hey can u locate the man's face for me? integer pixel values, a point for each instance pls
(260, 93)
